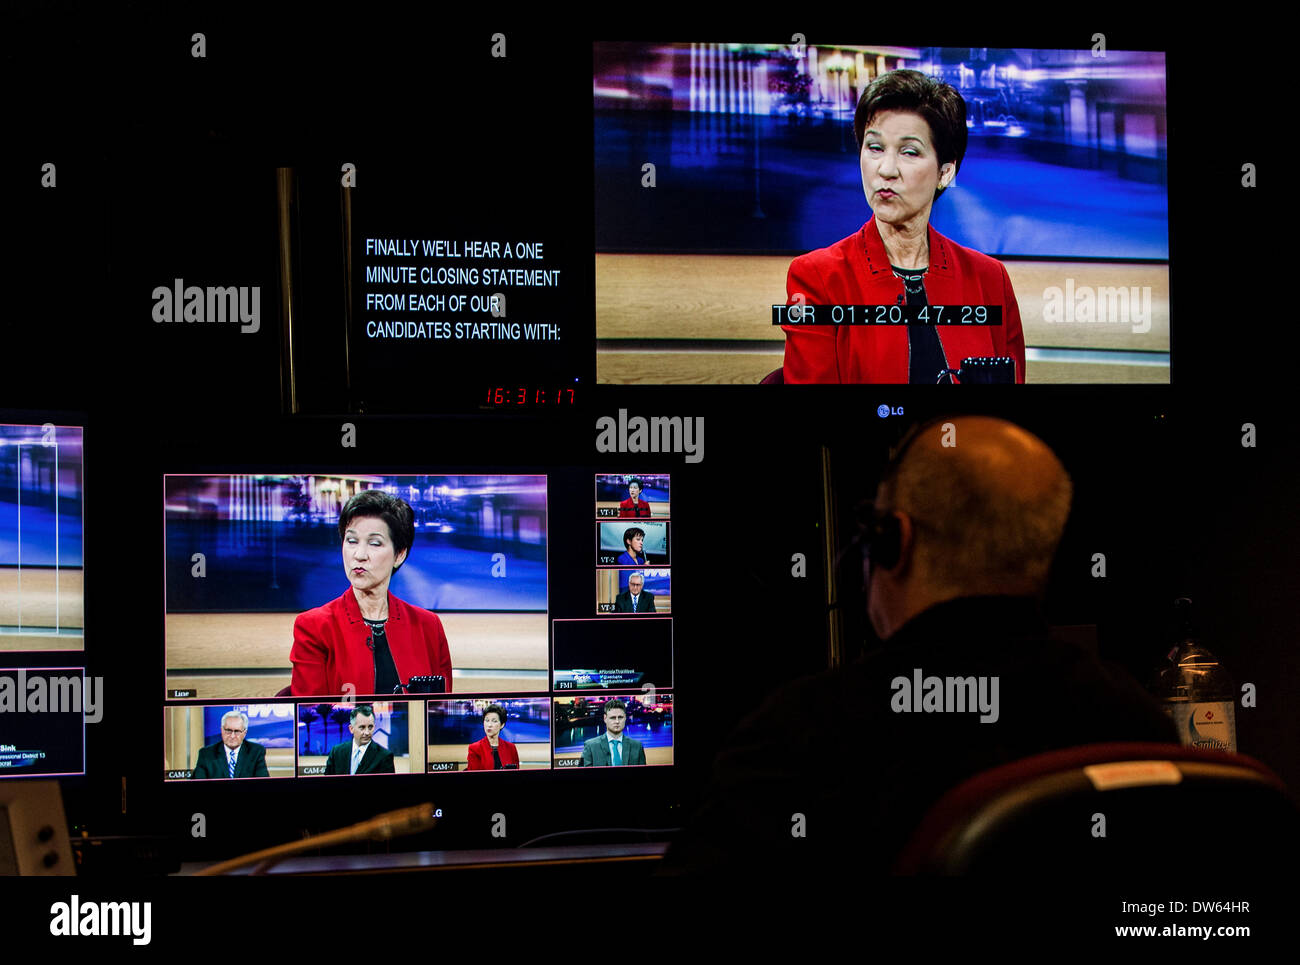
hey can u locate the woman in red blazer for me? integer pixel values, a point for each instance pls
(634, 506)
(481, 754)
(368, 641)
(911, 133)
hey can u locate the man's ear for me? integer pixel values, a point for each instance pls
(906, 543)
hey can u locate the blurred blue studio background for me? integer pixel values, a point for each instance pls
(579, 719)
(527, 721)
(40, 496)
(321, 726)
(1066, 155)
(270, 725)
(271, 543)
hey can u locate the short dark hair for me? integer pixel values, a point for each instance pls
(396, 514)
(613, 705)
(635, 480)
(498, 710)
(365, 710)
(940, 104)
(630, 534)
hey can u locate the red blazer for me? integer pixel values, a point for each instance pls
(480, 754)
(329, 647)
(640, 510)
(856, 271)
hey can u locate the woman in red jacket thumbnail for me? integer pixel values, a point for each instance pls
(911, 133)
(634, 506)
(368, 641)
(492, 753)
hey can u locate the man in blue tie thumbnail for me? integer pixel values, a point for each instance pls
(613, 747)
(233, 756)
(361, 755)
(634, 599)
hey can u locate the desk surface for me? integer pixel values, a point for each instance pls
(418, 861)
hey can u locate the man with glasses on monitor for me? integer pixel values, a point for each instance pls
(232, 756)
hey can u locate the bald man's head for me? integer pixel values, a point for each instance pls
(988, 511)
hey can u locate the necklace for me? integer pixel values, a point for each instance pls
(909, 276)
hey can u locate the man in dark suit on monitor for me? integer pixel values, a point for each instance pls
(612, 747)
(965, 524)
(361, 755)
(232, 756)
(634, 599)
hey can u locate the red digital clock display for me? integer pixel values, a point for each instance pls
(523, 395)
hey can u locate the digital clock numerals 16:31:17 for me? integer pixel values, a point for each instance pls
(522, 395)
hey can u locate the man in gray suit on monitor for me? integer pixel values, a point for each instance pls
(612, 747)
